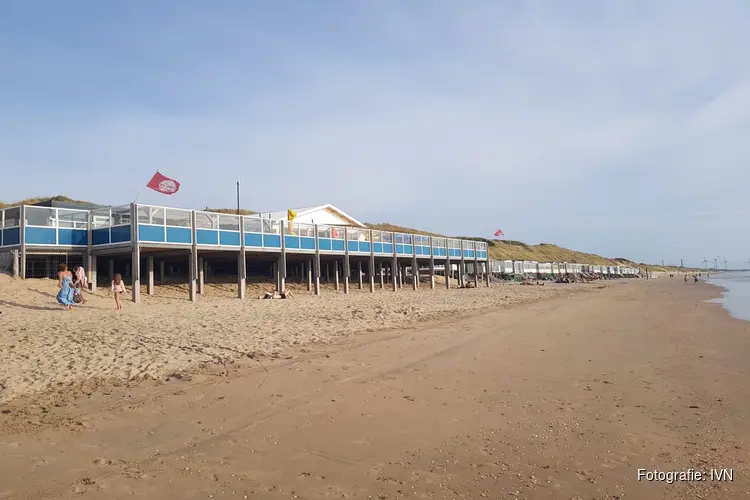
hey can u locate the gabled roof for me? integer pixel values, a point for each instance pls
(282, 214)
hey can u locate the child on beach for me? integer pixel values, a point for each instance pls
(118, 288)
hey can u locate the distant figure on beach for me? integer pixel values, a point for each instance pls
(686, 278)
(695, 278)
(79, 282)
(65, 282)
(117, 288)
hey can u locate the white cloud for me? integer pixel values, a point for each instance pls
(460, 117)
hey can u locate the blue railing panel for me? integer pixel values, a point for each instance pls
(388, 248)
(337, 245)
(272, 240)
(73, 237)
(291, 242)
(12, 236)
(206, 237)
(229, 238)
(307, 243)
(353, 246)
(324, 243)
(100, 236)
(408, 249)
(426, 251)
(418, 250)
(120, 234)
(378, 247)
(41, 236)
(253, 240)
(155, 234)
(180, 235)
(364, 246)
(399, 248)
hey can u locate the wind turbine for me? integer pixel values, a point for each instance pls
(748, 262)
(725, 263)
(716, 263)
(705, 262)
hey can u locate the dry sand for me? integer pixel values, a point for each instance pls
(563, 398)
(44, 348)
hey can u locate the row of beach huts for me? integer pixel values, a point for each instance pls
(525, 269)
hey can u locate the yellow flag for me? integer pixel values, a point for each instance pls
(291, 214)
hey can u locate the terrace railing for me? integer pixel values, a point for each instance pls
(10, 226)
(165, 226)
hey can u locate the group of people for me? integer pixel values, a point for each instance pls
(695, 278)
(71, 286)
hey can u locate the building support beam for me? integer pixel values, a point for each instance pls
(150, 272)
(317, 261)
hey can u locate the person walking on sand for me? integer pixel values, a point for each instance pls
(65, 282)
(79, 282)
(686, 278)
(117, 288)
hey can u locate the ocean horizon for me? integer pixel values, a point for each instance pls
(735, 297)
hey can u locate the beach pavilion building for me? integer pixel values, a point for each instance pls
(154, 243)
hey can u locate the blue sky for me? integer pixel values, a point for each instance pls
(617, 127)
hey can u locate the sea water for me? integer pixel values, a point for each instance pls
(736, 295)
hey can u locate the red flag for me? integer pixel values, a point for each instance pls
(163, 184)
(499, 232)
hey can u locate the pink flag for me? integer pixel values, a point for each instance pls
(163, 184)
(499, 232)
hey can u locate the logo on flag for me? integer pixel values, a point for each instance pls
(499, 232)
(291, 214)
(163, 184)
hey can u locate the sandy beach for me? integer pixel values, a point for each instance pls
(43, 348)
(554, 392)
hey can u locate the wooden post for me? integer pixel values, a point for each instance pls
(135, 254)
(432, 265)
(201, 277)
(150, 271)
(193, 266)
(317, 261)
(347, 264)
(371, 272)
(242, 262)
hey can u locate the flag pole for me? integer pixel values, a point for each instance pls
(144, 188)
(238, 197)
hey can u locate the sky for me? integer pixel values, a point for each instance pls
(618, 127)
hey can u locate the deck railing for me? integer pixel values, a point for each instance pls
(165, 226)
(10, 226)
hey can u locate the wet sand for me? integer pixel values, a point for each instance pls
(562, 398)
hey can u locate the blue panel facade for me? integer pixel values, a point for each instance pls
(364, 246)
(120, 234)
(388, 248)
(253, 240)
(399, 248)
(378, 247)
(353, 246)
(307, 243)
(229, 238)
(180, 235)
(291, 242)
(11, 236)
(272, 240)
(100, 236)
(206, 237)
(408, 249)
(418, 250)
(324, 243)
(154, 234)
(337, 245)
(72, 237)
(442, 252)
(426, 251)
(41, 236)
